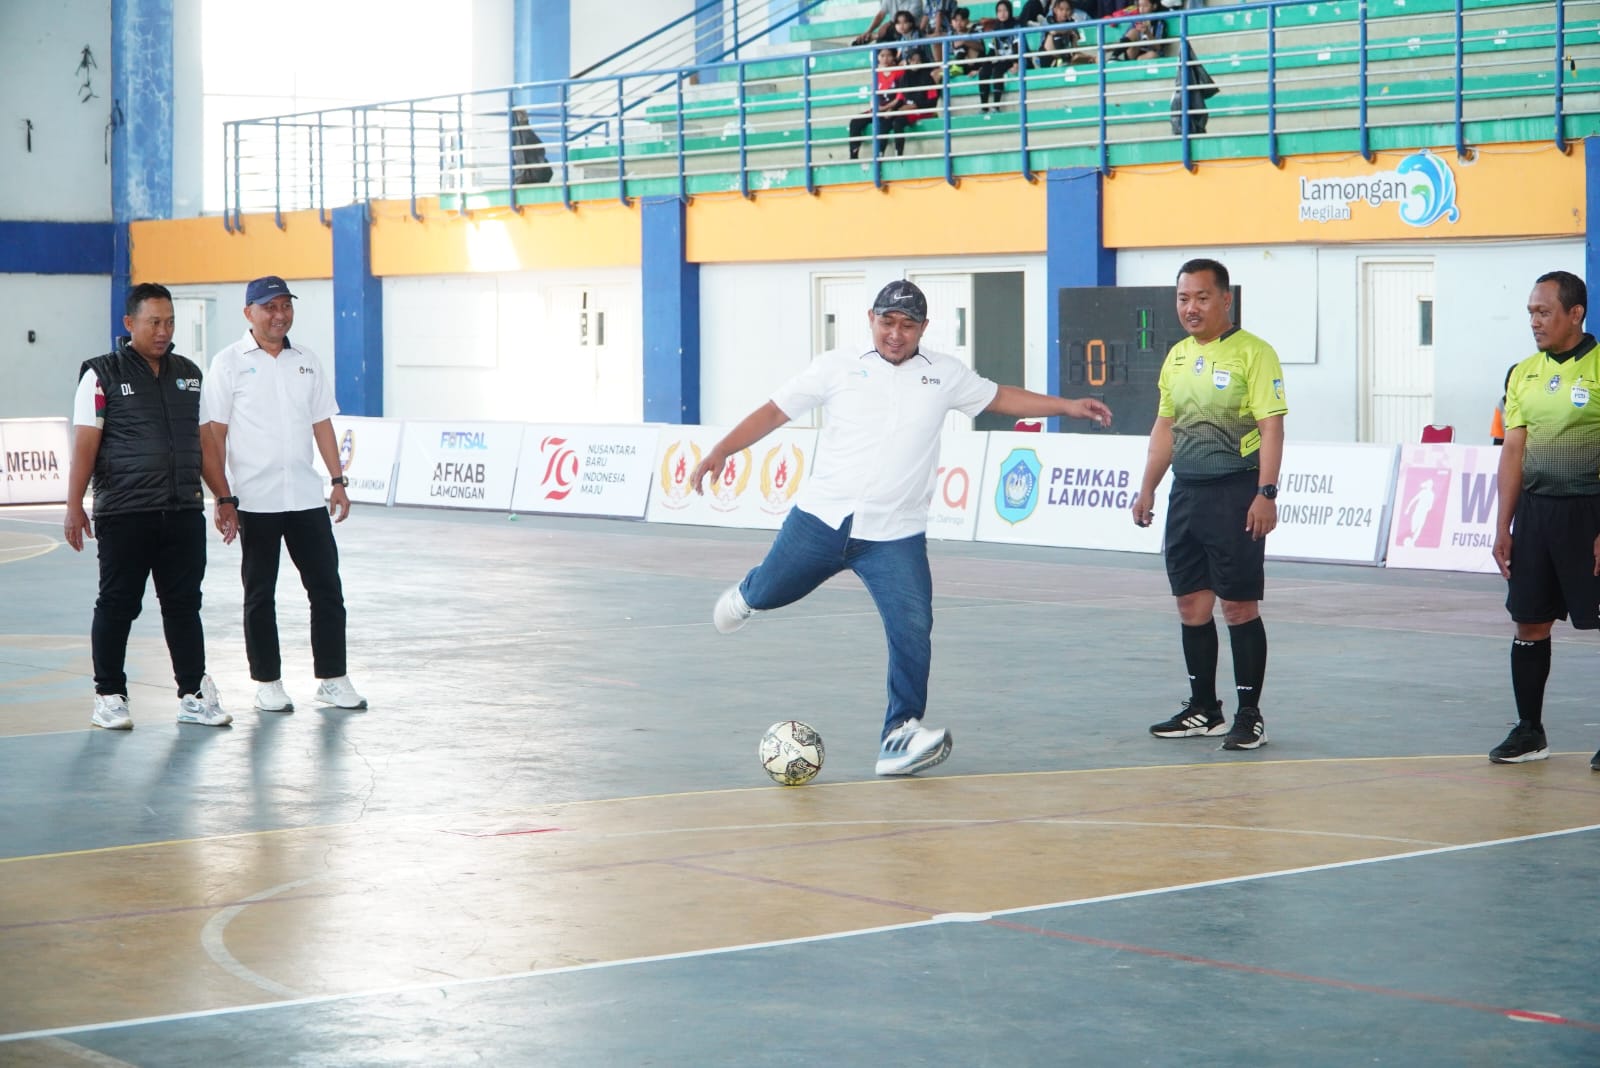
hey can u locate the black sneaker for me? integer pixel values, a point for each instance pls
(1594, 762)
(1524, 743)
(1191, 721)
(1249, 730)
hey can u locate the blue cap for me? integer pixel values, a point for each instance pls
(265, 289)
(902, 297)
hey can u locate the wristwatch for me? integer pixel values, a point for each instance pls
(341, 480)
(228, 500)
(1269, 491)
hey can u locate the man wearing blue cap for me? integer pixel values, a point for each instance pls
(864, 505)
(267, 403)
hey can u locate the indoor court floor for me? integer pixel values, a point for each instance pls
(548, 841)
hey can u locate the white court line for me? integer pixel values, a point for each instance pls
(456, 984)
(211, 940)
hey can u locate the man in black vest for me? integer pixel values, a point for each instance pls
(136, 420)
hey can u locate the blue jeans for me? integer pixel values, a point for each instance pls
(808, 552)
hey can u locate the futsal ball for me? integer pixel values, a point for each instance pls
(791, 752)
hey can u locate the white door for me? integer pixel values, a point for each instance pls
(1396, 349)
(841, 307)
(949, 323)
(592, 367)
(189, 333)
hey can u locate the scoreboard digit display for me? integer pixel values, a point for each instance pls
(1113, 342)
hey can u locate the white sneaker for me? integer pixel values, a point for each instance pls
(340, 693)
(111, 712)
(731, 612)
(204, 708)
(272, 697)
(911, 748)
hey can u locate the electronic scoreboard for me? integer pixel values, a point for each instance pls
(1113, 342)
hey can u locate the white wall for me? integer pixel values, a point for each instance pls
(756, 322)
(313, 316)
(70, 317)
(66, 177)
(598, 31)
(491, 346)
(1480, 325)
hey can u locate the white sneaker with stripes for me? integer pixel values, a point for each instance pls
(911, 748)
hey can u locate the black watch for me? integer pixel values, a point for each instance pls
(228, 500)
(1269, 491)
(341, 480)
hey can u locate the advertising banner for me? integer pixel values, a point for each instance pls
(953, 512)
(1333, 502)
(755, 488)
(1445, 507)
(36, 460)
(368, 449)
(586, 470)
(1070, 490)
(458, 465)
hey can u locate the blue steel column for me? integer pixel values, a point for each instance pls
(142, 130)
(541, 51)
(671, 317)
(358, 318)
(1075, 252)
(1591, 214)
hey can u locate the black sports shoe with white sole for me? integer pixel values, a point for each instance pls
(1249, 730)
(1192, 721)
(1524, 743)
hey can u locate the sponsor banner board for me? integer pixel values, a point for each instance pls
(36, 453)
(953, 512)
(368, 449)
(586, 470)
(458, 464)
(756, 487)
(1446, 501)
(1070, 490)
(1333, 502)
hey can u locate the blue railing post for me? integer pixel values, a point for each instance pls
(230, 135)
(622, 142)
(411, 126)
(1460, 109)
(566, 151)
(322, 173)
(805, 123)
(683, 179)
(744, 137)
(872, 128)
(944, 102)
(1105, 133)
(1560, 88)
(277, 172)
(1364, 133)
(1184, 56)
(1022, 105)
(1272, 86)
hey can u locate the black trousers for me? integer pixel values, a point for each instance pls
(132, 547)
(888, 122)
(309, 537)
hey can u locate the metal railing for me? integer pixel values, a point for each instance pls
(1287, 80)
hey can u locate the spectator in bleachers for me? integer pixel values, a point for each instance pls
(941, 23)
(1061, 42)
(967, 54)
(885, 19)
(1037, 12)
(1005, 56)
(904, 32)
(1143, 40)
(906, 94)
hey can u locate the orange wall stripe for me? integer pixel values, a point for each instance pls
(196, 251)
(1506, 191)
(999, 214)
(592, 234)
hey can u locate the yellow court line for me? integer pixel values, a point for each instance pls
(885, 782)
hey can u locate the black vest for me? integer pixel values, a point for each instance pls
(149, 458)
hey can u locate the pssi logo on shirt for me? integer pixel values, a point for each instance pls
(307, 370)
(1221, 377)
(929, 381)
(189, 384)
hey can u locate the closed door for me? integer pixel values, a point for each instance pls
(1396, 350)
(949, 323)
(189, 328)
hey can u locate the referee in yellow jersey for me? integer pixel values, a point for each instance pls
(1547, 538)
(1219, 427)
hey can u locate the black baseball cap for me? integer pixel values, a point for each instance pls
(903, 297)
(265, 289)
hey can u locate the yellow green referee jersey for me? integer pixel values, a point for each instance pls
(1558, 401)
(1215, 394)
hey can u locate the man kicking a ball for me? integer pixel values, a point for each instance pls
(864, 506)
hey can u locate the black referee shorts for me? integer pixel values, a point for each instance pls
(1207, 545)
(1552, 560)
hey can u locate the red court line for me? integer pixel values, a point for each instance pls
(1523, 1015)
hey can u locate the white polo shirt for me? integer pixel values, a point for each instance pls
(269, 404)
(878, 453)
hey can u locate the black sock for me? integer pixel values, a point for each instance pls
(1200, 658)
(1530, 667)
(1249, 642)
